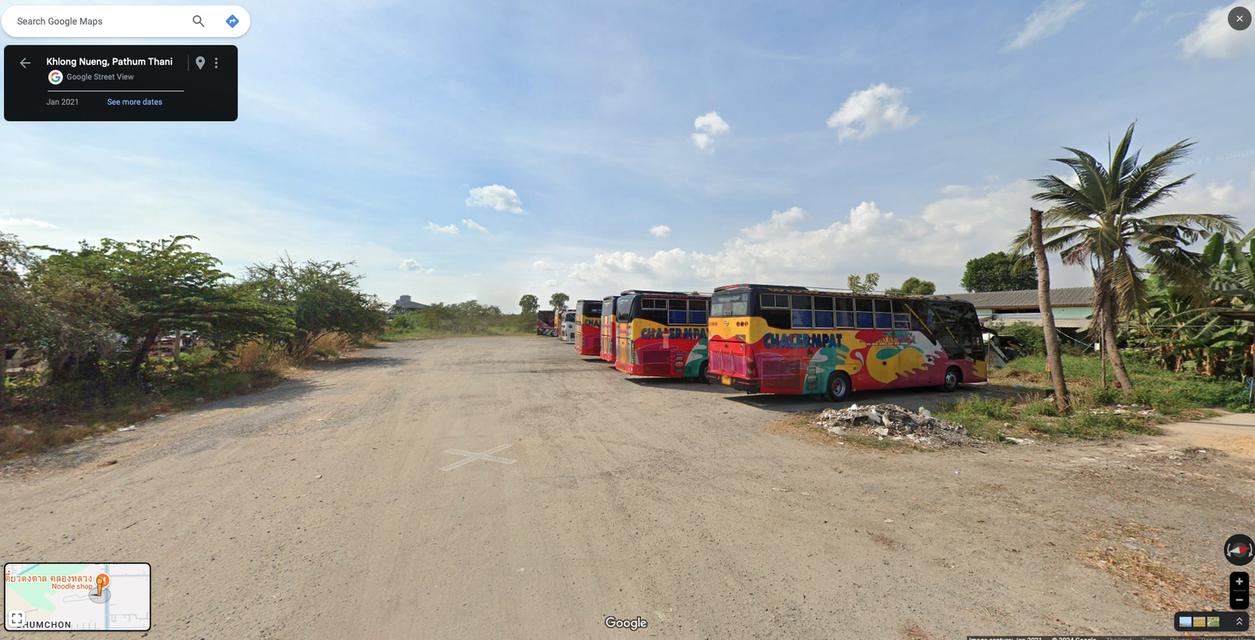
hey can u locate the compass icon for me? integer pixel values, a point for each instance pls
(1239, 549)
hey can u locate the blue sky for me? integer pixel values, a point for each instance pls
(485, 150)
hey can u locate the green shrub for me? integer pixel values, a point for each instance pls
(1031, 335)
(1105, 397)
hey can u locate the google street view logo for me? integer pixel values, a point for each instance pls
(55, 77)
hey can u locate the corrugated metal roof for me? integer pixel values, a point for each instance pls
(1027, 298)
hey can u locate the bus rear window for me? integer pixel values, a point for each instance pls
(730, 305)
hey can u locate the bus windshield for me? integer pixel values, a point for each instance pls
(623, 309)
(591, 308)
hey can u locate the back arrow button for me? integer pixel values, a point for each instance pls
(25, 63)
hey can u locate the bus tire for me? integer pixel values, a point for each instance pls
(839, 387)
(952, 380)
(701, 373)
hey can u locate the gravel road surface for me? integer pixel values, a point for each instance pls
(358, 501)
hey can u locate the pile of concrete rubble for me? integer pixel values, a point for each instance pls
(895, 423)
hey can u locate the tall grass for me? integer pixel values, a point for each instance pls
(261, 356)
(1098, 411)
(1165, 391)
(43, 416)
(456, 320)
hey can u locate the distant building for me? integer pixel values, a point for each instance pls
(404, 305)
(1073, 306)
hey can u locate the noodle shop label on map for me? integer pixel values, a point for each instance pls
(66, 596)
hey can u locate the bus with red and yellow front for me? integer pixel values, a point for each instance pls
(588, 327)
(662, 334)
(609, 329)
(797, 340)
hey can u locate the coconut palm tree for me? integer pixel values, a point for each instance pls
(1103, 221)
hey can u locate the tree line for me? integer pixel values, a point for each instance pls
(95, 312)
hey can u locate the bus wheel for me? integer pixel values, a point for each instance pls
(952, 379)
(838, 387)
(701, 373)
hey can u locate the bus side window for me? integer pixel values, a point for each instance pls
(863, 317)
(901, 317)
(884, 314)
(654, 309)
(845, 312)
(917, 311)
(823, 312)
(802, 316)
(697, 311)
(677, 312)
(775, 310)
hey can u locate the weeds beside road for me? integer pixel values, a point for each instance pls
(1016, 402)
(45, 416)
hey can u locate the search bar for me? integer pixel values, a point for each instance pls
(126, 21)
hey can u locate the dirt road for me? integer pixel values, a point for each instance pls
(331, 506)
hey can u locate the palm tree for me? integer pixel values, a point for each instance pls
(1104, 222)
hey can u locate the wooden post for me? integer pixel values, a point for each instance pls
(1054, 360)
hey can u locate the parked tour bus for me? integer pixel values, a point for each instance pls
(609, 328)
(661, 334)
(545, 324)
(588, 327)
(558, 314)
(795, 340)
(567, 331)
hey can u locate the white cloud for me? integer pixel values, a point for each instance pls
(448, 229)
(26, 222)
(778, 222)
(870, 111)
(660, 231)
(495, 196)
(1048, 19)
(934, 244)
(1213, 37)
(474, 226)
(413, 265)
(1215, 197)
(708, 126)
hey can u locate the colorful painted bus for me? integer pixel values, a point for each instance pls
(588, 327)
(545, 324)
(609, 328)
(661, 334)
(795, 340)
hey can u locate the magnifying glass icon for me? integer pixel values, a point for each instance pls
(196, 20)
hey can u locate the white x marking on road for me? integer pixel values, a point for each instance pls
(472, 456)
